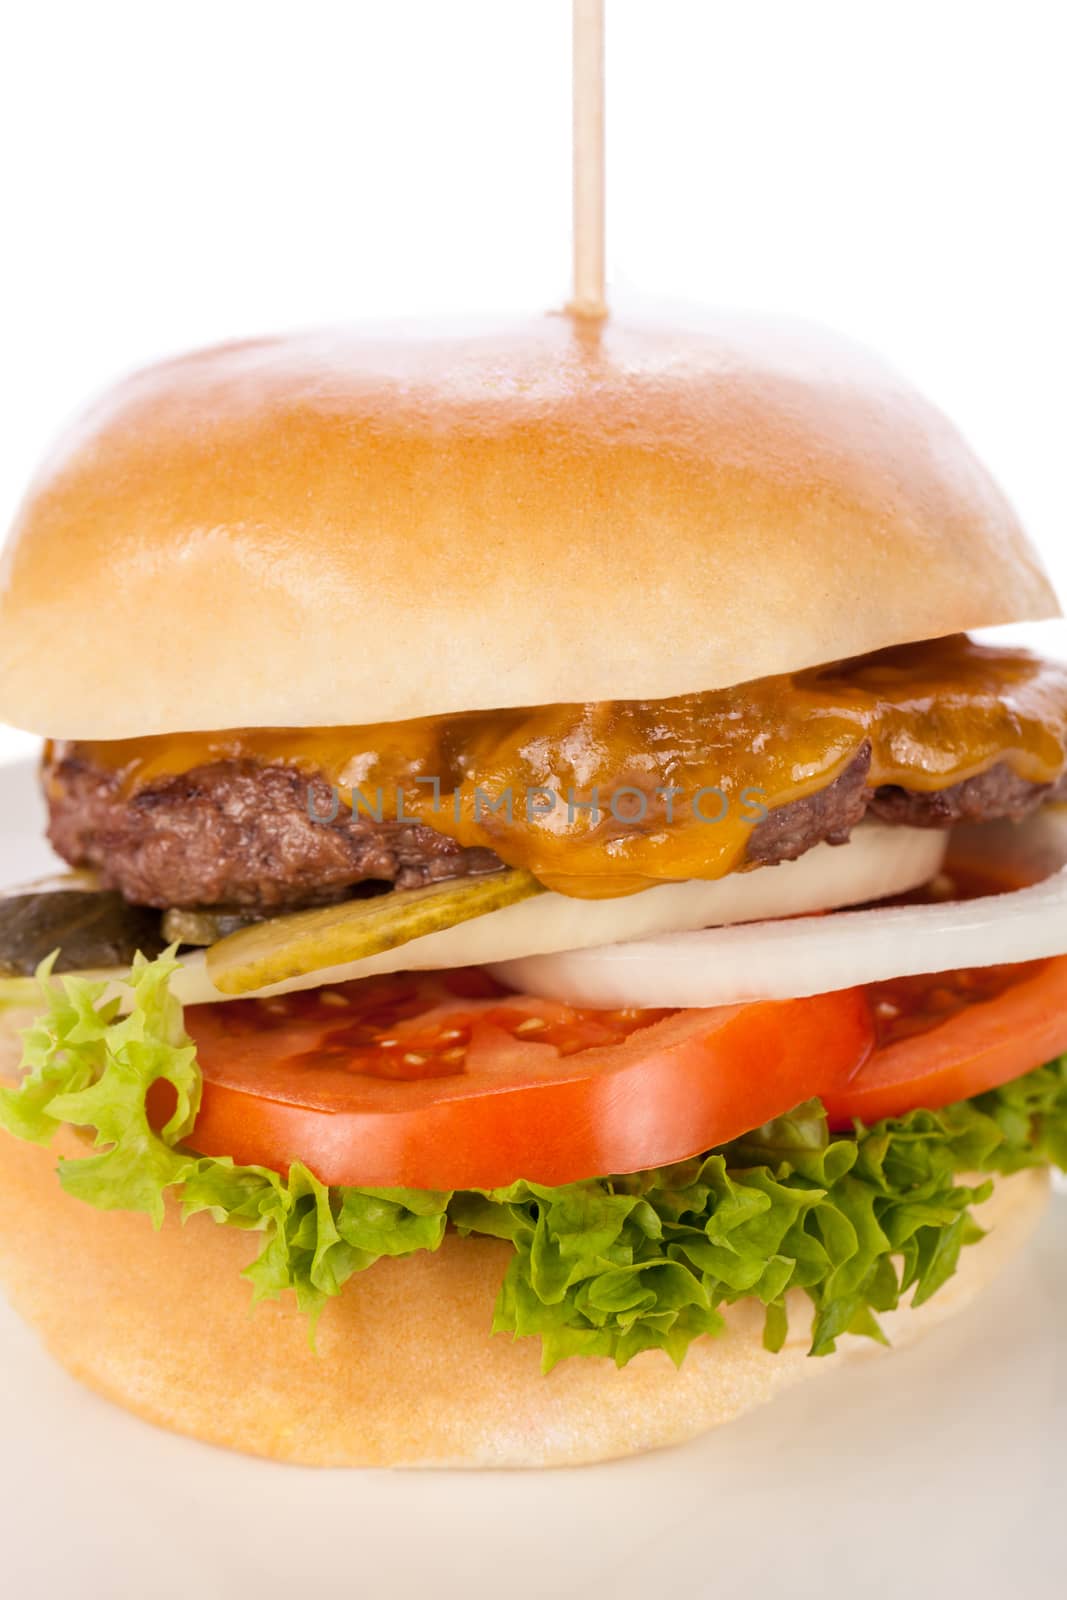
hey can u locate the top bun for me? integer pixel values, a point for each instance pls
(358, 526)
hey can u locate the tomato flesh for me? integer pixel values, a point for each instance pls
(955, 1035)
(446, 1080)
(905, 1007)
(498, 1086)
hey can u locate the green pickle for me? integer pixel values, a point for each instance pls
(331, 936)
(201, 927)
(89, 928)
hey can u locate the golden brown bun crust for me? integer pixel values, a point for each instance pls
(407, 1373)
(355, 527)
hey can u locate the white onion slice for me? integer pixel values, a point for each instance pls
(784, 959)
(877, 861)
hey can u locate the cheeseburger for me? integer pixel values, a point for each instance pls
(559, 910)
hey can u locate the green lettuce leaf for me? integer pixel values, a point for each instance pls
(606, 1267)
(86, 1065)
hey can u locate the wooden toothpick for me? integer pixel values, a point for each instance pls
(589, 289)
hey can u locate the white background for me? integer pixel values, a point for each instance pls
(175, 173)
(179, 173)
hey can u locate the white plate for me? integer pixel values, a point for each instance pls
(938, 1471)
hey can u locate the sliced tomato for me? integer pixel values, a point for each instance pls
(446, 1081)
(950, 1036)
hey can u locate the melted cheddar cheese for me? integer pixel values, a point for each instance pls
(679, 784)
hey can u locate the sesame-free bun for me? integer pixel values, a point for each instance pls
(355, 526)
(407, 1372)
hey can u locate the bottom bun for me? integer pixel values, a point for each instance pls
(407, 1372)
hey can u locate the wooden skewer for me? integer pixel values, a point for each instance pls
(589, 289)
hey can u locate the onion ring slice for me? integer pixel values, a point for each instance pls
(791, 958)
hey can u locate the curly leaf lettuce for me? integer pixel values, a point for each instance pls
(605, 1267)
(86, 1065)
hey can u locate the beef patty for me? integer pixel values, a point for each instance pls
(238, 834)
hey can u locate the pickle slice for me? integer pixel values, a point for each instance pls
(90, 928)
(311, 941)
(84, 879)
(201, 927)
